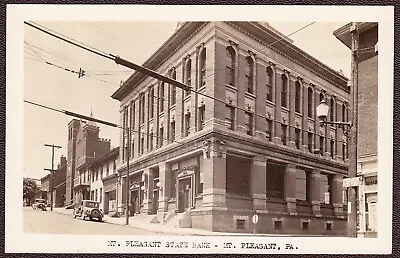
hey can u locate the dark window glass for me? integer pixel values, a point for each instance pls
(275, 180)
(229, 117)
(284, 91)
(202, 113)
(297, 97)
(249, 74)
(297, 140)
(310, 102)
(270, 78)
(230, 66)
(248, 123)
(203, 68)
(284, 134)
(268, 130)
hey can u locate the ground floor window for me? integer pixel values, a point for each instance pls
(275, 180)
(326, 186)
(238, 171)
(301, 185)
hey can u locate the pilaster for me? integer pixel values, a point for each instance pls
(290, 189)
(258, 182)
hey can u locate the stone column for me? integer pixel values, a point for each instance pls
(258, 182)
(315, 191)
(304, 99)
(290, 187)
(214, 169)
(165, 182)
(242, 88)
(278, 108)
(337, 194)
(149, 186)
(219, 87)
(261, 98)
(292, 113)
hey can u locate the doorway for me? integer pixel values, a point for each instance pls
(134, 203)
(155, 201)
(184, 194)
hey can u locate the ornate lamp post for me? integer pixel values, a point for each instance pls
(322, 113)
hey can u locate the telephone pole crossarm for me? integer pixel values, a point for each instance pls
(51, 172)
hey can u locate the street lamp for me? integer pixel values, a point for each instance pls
(322, 113)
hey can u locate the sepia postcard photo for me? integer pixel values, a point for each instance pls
(199, 129)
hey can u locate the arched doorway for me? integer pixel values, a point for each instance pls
(185, 180)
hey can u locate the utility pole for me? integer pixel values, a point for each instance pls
(51, 172)
(127, 176)
(352, 216)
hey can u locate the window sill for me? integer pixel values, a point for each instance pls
(270, 102)
(231, 87)
(251, 95)
(202, 88)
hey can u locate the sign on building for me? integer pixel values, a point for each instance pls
(353, 181)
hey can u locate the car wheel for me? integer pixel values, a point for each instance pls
(100, 219)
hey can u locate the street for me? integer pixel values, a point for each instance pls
(50, 222)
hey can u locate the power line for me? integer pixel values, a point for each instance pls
(153, 74)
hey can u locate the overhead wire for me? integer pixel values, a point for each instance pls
(197, 92)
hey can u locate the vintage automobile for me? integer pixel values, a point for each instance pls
(40, 204)
(88, 209)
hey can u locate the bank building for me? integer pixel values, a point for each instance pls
(244, 140)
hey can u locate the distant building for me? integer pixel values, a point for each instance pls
(103, 183)
(367, 160)
(248, 142)
(59, 177)
(84, 145)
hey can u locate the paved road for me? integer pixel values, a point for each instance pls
(48, 222)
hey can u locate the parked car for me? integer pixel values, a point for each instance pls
(88, 209)
(40, 204)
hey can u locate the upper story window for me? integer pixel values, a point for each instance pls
(297, 97)
(310, 102)
(270, 80)
(249, 73)
(321, 145)
(161, 137)
(151, 102)
(230, 117)
(141, 108)
(188, 75)
(203, 66)
(161, 97)
(151, 141)
(321, 97)
(230, 66)
(332, 110)
(187, 124)
(310, 142)
(284, 91)
(248, 119)
(297, 139)
(172, 131)
(284, 134)
(173, 89)
(114, 165)
(268, 130)
(202, 116)
(344, 113)
(133, 115)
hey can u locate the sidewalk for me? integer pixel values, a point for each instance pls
(159, 228)
(153, 227)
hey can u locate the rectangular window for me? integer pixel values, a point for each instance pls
(277, 225)
(305, 225)
(275, 180)
(301, 185)
(310, 102)
(238, 171)
(101, 194)
(151, 141)
(172, 131)
(108, 169)
(161, 137)
(95, 196)
(202, 111)
(142, 145)
(268, 131)
(321, 145)
(344, 151)
(161, 97)
(332, 149)
(310, 141)
(151, 102)
(187, 124)
(325, 183)
(240, 224)
(114, 166)
(248, 122)
(297, 140)
(297, 97)
(173, 95)
(284, 134)
(229, 117)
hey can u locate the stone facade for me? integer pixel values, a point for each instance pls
(243, 141)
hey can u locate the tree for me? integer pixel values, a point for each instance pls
(30, 189)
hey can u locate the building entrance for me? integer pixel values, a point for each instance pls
(134, 203)
(184, 194)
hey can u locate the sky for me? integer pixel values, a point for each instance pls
(135, 41)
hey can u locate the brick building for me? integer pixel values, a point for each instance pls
(247, 142)
(59, 177)
(367, 160)
(84, 145)
(103, 183)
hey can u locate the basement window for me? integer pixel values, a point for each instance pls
(240, 224)
(277, 225)
(305, 225)
(328, 226)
